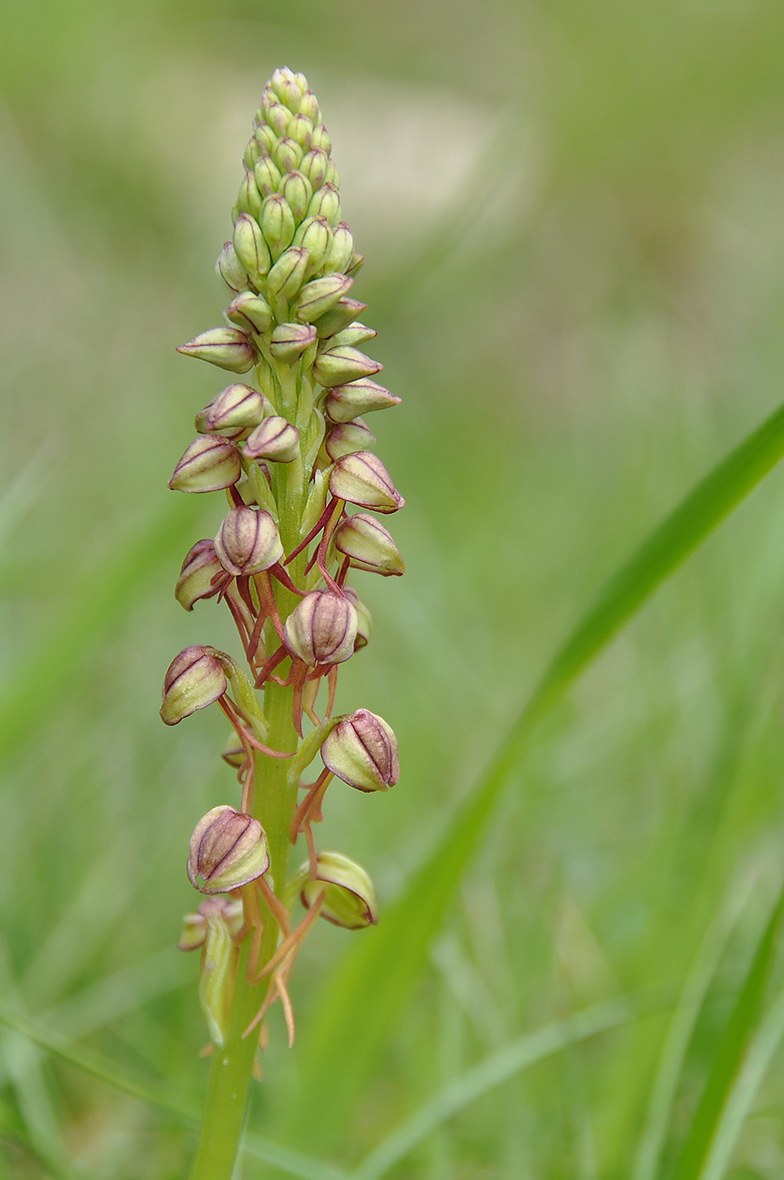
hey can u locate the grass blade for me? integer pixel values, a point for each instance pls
(729, 1053)
(371, 984)
(174, 1105)
(520, 1055)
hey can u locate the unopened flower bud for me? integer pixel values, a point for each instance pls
(342, 248)
(266, 139)
(362, 479)
(364, 618)
(347, 437)
(237, 407)
(300, 129)
(339, 365)
(194, 680)
(325, 202)
(308, 106)
(228, 348)
(289, 341)
(248, 198)
(231, 269)
(357, 261)
(276, 439)
(369, 545)
(362, 751)
(266, 174)
(210, 463)
(321, 139)
(195, 582)
(332, 176)
(249, 245)
(228, 850)
(287, 154)
(278, 118)
(315, 235)
(315, 165)
(346, 402)
(194, 926)
(286, 276)
(321, 629)
(349, 896)
(248, 541)
(297, 190)
(277, 223)
(318, 296)
(354, 334)
(251, 312)
(338, 317)
(251, 154)
(284, 83)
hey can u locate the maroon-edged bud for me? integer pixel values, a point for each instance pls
(315, 236)
(354, 334)
(346, 402)
(325, 202)
(248, 198)
(194, 926)
(364, 618)
(340, 365)
(209, 464)
(199, 568)
(332, 176)
(194, 680)
(315, 165)
(362, 751)
(266, 173)
(250, 247)
(349, 899)
(278, 118)
(339, 317)
(362, 479)
(231, 269)
(287, 154)
(342, 248)
(321, 139)
(297, 190)
(251, 312)
(321, 629)
(309, 107)
(277, 223)
(228, 850)
(319, 296)
(251, 154)
(288, 273)
(289, 341)
(248, 542)
(265, 138)
(347, 437)
(236, 408)
(356, 264)
(369, 545)
(285, 85)
(229, 348)
(300, 129)
(276, 439)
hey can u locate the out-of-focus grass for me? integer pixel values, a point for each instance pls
(576, 346)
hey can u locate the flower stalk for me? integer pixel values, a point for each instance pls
(289, 451)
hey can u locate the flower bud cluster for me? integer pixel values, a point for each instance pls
(289, 447)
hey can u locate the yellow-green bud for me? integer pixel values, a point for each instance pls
(349, 896)
(236, 408)
(195, 679)
(342, 248)
(278, 118)
(287, 154)
(228, 348)
(309, 107)
(250, 311)
(337, 366)
(362, 751)
(296, 189)
(321, 629)
(315, 165)
(248, 198)
(267, 174)
(332, 176)
(354, 334)
(362, 479)
(315, 236)
(318, 296)
(347, 437)
(369, 545)
(364, 618)
(357, 261)
(277, 223)
(288, 273)
(210, 463)
(265, 138)
(276, 440)
(338, 317)
(228, 850)
(231, 269)
(194, 926)
(346, 402)
(199, 568)
(321, 139)
(289, 341)
(325, 202)
(285, 85)
(251, 154)
(300, 129)
(248, 541)
(250, 247)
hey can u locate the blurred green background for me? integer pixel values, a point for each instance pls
(572, 219)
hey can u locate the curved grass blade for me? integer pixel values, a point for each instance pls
(370, 985)
(499, 1067)
(176, 1106)
(730, 1050)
